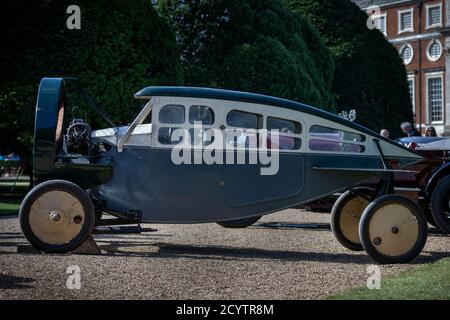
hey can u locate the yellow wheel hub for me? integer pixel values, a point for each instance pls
(350, 215)
(56, 217)
(393, 230)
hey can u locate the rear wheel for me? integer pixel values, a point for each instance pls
(440, 204)
(393, 229)
(429, 215)
(57, 216)
(239, 223)
(346, 214)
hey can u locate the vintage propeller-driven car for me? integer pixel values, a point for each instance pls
(196, 155)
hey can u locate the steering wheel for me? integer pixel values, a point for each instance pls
(78, 138)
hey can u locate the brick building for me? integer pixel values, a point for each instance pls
(420, 30)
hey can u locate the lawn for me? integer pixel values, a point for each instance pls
(430, 282)
(11, 193)
(9, 206)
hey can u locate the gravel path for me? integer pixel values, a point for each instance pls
(199, 262)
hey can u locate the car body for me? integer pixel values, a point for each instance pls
(275, 153)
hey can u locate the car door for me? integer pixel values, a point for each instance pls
(247, 184)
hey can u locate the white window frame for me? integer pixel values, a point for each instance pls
(428, 50)
(412, 78)
(435, 75)
(427, 8)
(412, 53)
(384, 15)
(400, 12)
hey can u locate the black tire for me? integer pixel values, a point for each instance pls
(84, 220)
(440, 205)
(239, 223)
(407, 229)
(340, 213)
(429, 215)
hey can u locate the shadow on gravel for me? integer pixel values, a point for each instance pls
(167, 250)
(12, 282)
(287, 225)
(11, 235)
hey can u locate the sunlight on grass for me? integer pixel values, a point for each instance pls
(9, 206)
(430, 282)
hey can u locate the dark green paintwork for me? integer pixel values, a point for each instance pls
(51, 97)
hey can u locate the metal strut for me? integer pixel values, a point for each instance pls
(386, 184)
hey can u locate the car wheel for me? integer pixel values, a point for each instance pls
(393, 229)
(57, 216)
(429, 215)
(345, 216)
(239, 223)
(440, 205)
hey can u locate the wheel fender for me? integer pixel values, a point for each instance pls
(436, 175)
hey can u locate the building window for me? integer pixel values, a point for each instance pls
(435, 99)
(405, 21)
(407, 54)
(412, 91)
(434, 15)
(380, 23)
(434, 50)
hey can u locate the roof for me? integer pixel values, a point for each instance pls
(209, 93)
(364, 4)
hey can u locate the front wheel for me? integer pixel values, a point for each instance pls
(239, 223)
(393, 229)
(57, 216)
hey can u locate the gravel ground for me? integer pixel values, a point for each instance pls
(200, 262)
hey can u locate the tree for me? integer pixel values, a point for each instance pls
(369, 74)
(121, 47)
(251, 45)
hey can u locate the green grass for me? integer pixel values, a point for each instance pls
(430, 282)
(9, 206)
(12, 191)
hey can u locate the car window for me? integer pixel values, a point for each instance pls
(242, 119)
(165, 136)
(335, 134)
(334, 146)
(283, 125)
(288, 135)
(172, 114)
(202, 114)
(335, 140)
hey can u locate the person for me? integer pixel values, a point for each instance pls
(408, 130)
(431, 132)
(384, 133)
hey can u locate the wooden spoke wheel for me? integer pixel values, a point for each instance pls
(440, 205)
(57, 216)
(345, 216)
(393, 229)
(239, 223)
